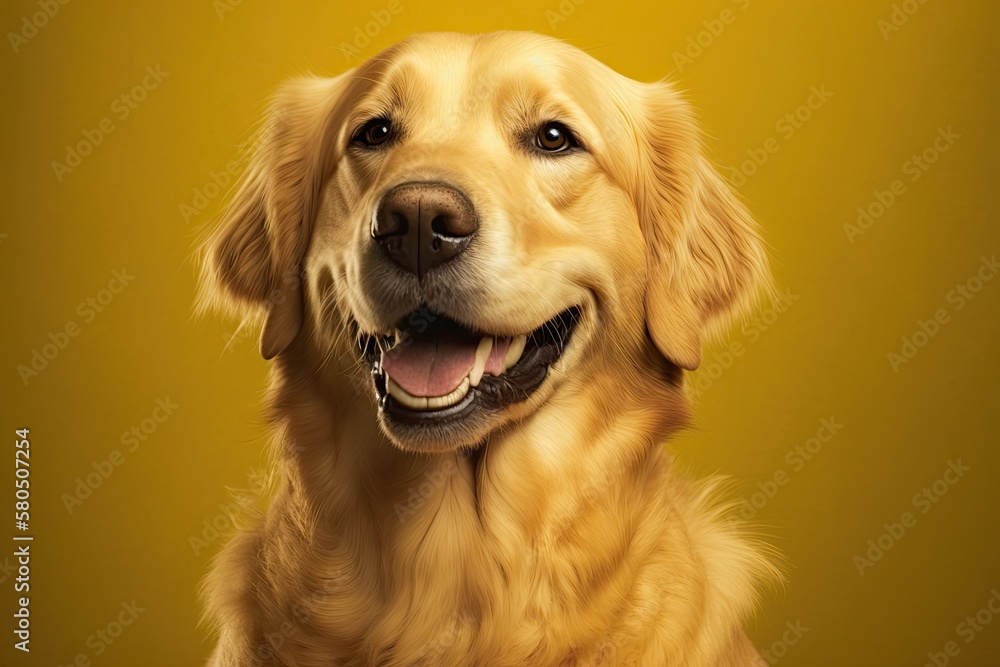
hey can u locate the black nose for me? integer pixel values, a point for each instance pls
(423, 225)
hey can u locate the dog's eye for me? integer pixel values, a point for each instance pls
(374, 133)
(554, 138)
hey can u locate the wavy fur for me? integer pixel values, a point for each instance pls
(571, 540)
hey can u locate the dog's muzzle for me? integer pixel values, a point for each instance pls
(435, 368)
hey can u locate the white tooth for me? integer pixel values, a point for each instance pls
(408, 400)
(482, 354)
(426, 403)
(437, 402)
(514, 351)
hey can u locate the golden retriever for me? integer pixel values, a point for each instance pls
(481, 263)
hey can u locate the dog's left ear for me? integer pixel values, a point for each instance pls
(253, 259)
(706, 261)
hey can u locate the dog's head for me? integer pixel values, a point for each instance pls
(486, 218)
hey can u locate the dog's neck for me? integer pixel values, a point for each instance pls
(456, 540)
(542, 466)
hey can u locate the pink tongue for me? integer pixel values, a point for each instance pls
(430, 365)
(434, 365)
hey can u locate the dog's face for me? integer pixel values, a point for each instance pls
(485, 218)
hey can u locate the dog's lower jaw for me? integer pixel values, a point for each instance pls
(372, 555)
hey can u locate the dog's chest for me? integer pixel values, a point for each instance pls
(436, 622)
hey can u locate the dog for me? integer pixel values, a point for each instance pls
(481, 265)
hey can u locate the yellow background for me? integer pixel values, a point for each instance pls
(825, 356)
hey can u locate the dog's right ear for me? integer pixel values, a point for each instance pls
(252, 260)
(706, 260)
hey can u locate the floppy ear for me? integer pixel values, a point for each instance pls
(706, 262)
(254, 256)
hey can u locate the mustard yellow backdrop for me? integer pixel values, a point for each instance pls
(857, 415)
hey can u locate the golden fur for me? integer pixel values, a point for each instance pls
(571, 540)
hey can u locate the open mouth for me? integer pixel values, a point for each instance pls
(434, 370)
